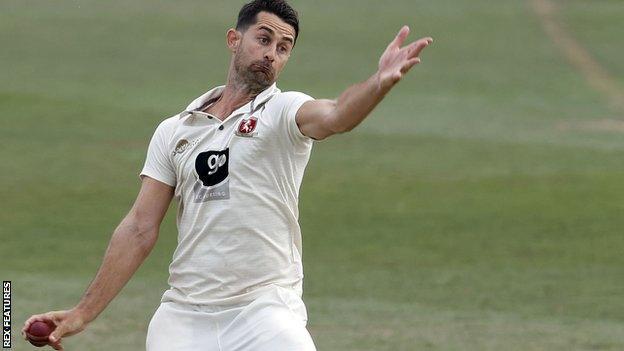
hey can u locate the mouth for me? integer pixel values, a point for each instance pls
(263, 68)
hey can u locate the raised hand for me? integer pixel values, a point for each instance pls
(396, 61)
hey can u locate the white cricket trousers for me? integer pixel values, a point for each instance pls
(275, 321)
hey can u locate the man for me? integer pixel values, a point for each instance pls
(234, 160)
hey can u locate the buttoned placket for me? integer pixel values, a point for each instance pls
(248, 108)
(221, 124)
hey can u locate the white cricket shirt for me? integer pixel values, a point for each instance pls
(237, 185)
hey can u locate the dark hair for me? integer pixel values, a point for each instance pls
(249, 12)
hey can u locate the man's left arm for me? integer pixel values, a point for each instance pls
(319, 119)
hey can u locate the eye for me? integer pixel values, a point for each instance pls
(263, 40)
(284, 49)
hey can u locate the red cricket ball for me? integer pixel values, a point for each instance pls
(38, 333)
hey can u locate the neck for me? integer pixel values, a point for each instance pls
(235, 94)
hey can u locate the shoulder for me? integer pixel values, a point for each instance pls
(170, 124)
(166, 128)
(173, 121)
(289, 97)
(287, 103)
(285, 106)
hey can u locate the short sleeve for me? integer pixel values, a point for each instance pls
(158, 163)
(292, 103)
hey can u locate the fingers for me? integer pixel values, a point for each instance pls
(48, 318)
(53, 319)
(57, 345)
(31, 320)
(410, 63)
(56, 337)
(400, 37)
(414, 49)
(67, 325)
(58, 333)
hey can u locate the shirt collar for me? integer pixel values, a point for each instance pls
(250, 107)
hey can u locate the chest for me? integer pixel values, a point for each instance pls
(206, 151)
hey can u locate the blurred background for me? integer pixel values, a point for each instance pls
(480, 207)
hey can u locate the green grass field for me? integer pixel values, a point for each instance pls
(479, 208)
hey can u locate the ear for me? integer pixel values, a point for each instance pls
(233, 38)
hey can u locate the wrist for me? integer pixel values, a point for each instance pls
(85, 314)
(381, 88)
(376, 78)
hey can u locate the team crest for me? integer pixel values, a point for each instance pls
(247, 127)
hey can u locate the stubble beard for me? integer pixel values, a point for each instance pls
(252, 78)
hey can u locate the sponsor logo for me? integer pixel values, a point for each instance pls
(212, 166)
(181, 146)
(184, 145)
(212, 172)
(247, 127)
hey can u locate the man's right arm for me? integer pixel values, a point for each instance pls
(131, 243)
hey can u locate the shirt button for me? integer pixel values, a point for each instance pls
(220, 127)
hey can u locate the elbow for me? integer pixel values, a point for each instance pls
(346, 128)
(340, 128)
(338, 125)
(146, 238)
(328, 120)
(326, 132)
(141, 233)
(329, 130)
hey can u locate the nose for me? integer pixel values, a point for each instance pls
(270, 53)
